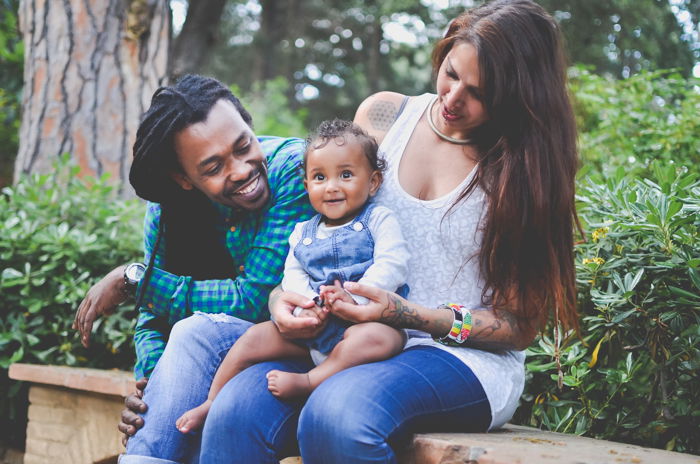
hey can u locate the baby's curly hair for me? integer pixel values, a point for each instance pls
(338, 130)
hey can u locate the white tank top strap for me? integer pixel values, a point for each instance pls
(396, 138)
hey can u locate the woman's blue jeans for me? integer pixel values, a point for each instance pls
(359, 415)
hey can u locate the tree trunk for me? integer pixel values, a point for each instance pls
(90, 69)
(198, 36)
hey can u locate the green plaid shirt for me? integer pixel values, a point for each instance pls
(258, 243)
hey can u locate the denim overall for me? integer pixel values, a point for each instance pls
(344, 256)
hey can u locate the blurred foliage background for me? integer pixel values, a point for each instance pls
(631, 374)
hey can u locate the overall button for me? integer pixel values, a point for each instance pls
(358, 226)
(307, 241)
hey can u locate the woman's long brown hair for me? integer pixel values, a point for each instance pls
(527, 159)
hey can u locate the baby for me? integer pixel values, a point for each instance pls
(350, 239)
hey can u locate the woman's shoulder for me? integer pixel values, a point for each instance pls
(378, 112)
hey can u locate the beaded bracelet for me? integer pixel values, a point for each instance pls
(461, 325)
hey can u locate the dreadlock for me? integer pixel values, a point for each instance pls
(192, 247)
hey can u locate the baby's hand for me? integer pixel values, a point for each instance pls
(333, 293)
(316, 312)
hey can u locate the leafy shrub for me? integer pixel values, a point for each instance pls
(58, 235)
(650, 117)
(270, 108)
(634, 376)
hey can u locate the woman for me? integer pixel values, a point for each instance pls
(481, 176)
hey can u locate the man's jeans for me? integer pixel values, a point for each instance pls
(356, 416)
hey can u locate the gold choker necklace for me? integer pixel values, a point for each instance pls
(445, 137)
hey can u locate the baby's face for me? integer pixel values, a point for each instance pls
(339, 180)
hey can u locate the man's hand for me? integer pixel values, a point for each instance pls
(131, 422)
(297, 327)
(102, 298)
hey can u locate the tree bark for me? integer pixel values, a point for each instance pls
(198, 36)
(90, 69)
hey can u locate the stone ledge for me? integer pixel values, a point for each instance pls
(515, 444)
(108, 382)
(510, 445)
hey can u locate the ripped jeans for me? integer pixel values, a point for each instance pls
(359, 415)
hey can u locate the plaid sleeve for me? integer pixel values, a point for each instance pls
(176, 297)
(150, 232)
(150, 342)
(151, 332)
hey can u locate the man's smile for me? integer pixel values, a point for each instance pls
(250, 186)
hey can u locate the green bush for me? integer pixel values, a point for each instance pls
(650, 117)
(634, 375)
(270, 108)
(58, 235)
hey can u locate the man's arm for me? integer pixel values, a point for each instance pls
(175, 297)
(150, 338)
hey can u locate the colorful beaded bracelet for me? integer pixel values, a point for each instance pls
(461, 325)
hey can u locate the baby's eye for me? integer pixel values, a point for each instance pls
(346, 175)
(319, 177)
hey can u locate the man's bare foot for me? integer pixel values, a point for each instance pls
(194, 418)
(288, 385)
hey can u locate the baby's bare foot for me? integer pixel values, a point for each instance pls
(288, 385)
(194, 418)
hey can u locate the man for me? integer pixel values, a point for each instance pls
(223, 205)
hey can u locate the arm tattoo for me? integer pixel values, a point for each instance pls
(382, 115)
(400, 315)
(500, 324)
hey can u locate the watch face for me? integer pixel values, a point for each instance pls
(135, 271)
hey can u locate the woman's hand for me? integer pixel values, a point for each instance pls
(377, 309)
(491, 329)
(101, 299)
(282, 306)
(131, 421)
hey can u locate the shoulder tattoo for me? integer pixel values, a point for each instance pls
(381, 114)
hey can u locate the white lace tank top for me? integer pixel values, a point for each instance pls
(443, 267)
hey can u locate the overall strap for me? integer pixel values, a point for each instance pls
(309, 229)
(364, 215)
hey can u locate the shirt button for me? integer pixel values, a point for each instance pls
(233, 228)
(307, 241)
(241, 268)
(150, 305)
(358, 226)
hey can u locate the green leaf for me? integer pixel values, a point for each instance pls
(10, 273)
(681, 292)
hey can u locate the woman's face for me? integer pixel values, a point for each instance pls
(460, 107)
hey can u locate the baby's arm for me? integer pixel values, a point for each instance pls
(295, 278)
(389, 271)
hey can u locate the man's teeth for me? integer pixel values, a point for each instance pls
(248, 189)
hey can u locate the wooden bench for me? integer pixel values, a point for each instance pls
(73, 414)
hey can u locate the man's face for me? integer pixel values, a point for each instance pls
(222, 158)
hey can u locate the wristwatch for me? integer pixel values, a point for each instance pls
(132, 276)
